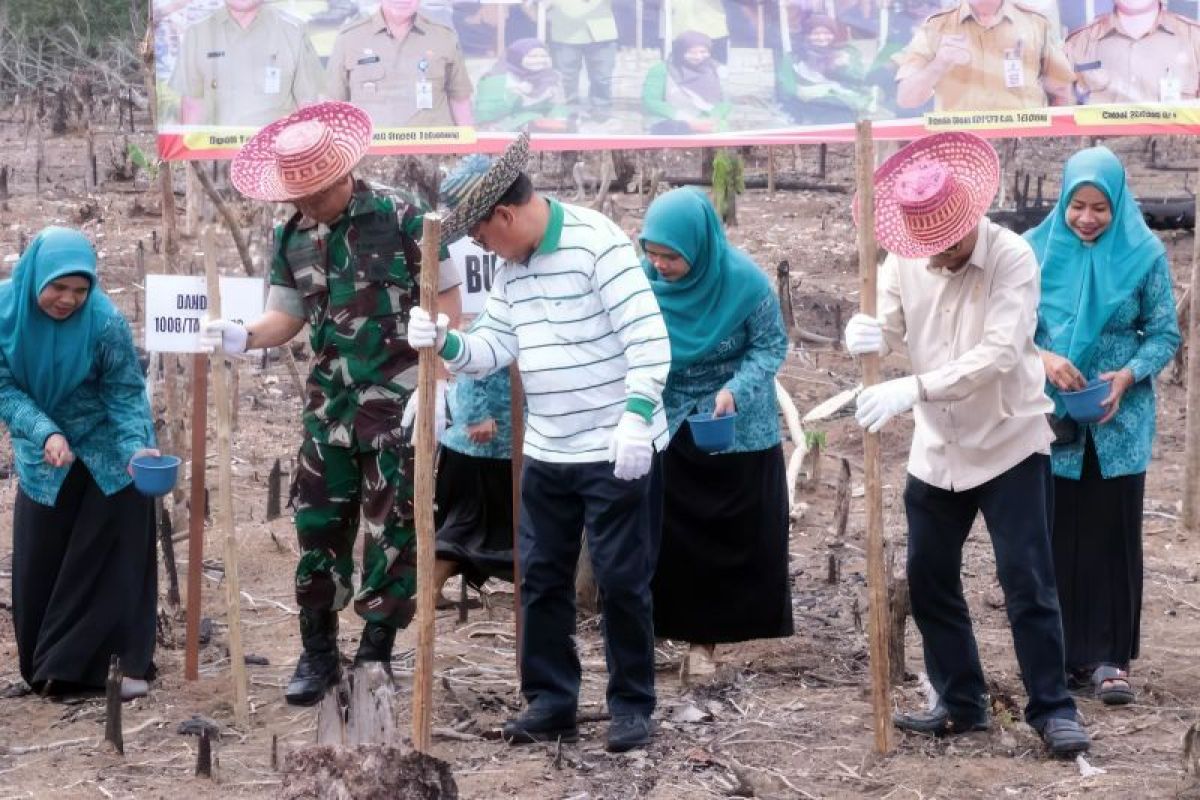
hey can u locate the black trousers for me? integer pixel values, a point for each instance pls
(1017, 506)
(622, 519)
(85, 584)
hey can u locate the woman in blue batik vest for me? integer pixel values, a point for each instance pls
(73, 399)
(722, 571)
(1106, 312)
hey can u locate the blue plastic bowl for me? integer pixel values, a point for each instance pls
(712, 434)
(1084, 405)
(154, 476)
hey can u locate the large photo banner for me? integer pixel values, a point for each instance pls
(454, 76)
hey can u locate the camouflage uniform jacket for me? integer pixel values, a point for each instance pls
(358, 280)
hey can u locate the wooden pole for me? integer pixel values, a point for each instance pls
(224, 516)
(1191, 475)
(427, 372)
(191, 652)
(113, 733)
(516, 397)
(878, 623)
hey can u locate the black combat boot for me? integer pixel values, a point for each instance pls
(376, 645)
(318, 667)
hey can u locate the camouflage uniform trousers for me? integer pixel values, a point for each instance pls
(330, 486)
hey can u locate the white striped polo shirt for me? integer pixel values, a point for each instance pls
(585, 329)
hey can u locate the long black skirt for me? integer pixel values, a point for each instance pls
(1098, 564)
(85, 585)
(475, 515)
(722, 572)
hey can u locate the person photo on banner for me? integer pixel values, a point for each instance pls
(73, 397)
(523, 92)
(573, 309)
(984, 55)
(683, 94)
(1140, 53)
(245, 64)
(706, 17)
(347, 264)
(722, 573)
(402, 68)
(822, 80)
(584, 32)
(958, 295)
(1107, 312)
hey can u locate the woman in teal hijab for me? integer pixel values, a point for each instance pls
(722, 569)
(73, 399)
(1107, 311)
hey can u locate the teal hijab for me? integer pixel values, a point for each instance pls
(723, 286)
(49, 358)
(1084, 284)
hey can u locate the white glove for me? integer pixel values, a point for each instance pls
(879, 403)
(229, 336)
(632, 447)
(408, 420)
(864, 335)
(422, 332)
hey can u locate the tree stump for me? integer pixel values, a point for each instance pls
(359, 710)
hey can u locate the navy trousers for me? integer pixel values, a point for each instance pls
(623, 523)
(1018, 506)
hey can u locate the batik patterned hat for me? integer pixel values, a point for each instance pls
(472, 189)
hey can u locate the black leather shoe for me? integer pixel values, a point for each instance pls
(375, 645)
(537, 726)
(938, 722)
(318, 668)
(1065, 737)
(628, 731)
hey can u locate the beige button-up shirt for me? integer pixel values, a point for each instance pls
(1162, 66)
(969, 337)
(247, 76)
(981, 85)
(386, 76)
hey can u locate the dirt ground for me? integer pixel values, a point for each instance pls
(792, 718)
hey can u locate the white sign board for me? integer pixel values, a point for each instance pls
(175, 305)
(477, 266)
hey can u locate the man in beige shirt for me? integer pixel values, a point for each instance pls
(402, 68)
(245, 64)
(984, 55)
(1139, 53)
(960, 295)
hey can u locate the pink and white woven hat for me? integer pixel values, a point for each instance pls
(303, 153)
(930, 194)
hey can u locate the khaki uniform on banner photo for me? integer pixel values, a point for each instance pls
(1010, 62)
(246, 76)
(399, 82)
(1113, 67)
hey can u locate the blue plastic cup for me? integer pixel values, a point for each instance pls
(712, 434)
(154, 476)
(1084, 405)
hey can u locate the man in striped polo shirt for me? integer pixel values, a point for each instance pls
(571, 305)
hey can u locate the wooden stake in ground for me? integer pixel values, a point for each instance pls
(516, 397)
(878, 622)
(112, 706)
(1191, 475)
(191, 650)
(427, 369)
(224, 516)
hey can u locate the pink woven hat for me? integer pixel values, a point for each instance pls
(303, 153)
(932, 193)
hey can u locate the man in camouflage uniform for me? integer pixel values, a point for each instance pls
(348, 264)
